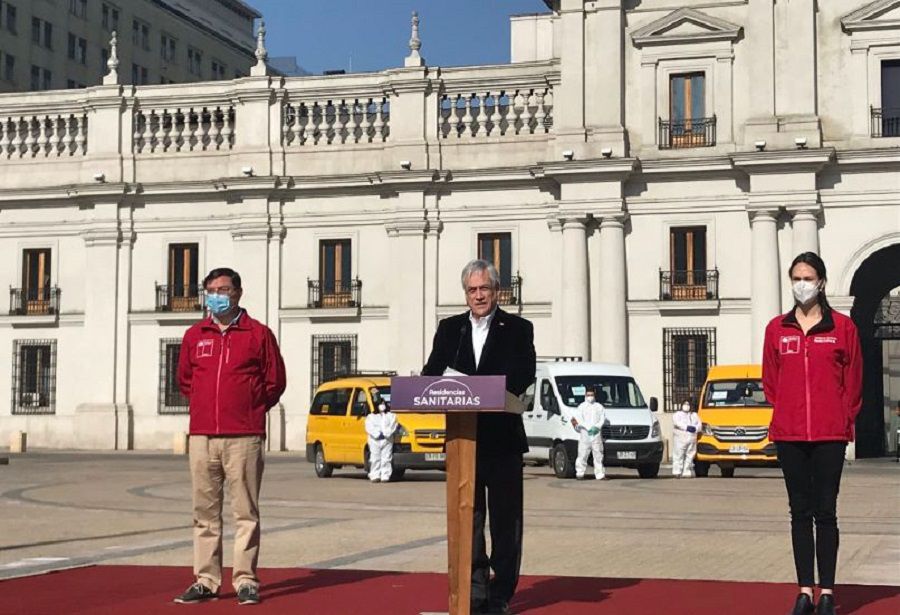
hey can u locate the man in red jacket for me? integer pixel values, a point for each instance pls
(232, 372)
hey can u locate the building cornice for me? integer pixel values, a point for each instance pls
(783, 161)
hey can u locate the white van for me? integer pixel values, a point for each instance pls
(631, 435)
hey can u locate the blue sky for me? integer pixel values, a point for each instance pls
(324, 34)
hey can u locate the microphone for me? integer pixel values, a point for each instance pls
(462, 336)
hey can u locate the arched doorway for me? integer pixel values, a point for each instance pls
(872, 312)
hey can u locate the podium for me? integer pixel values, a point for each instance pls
(460, 399)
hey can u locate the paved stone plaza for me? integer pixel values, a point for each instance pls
(68, 509)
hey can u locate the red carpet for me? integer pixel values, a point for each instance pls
(146, 590)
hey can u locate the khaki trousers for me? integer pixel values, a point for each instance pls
(235, 462)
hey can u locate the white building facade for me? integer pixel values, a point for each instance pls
(641, 176)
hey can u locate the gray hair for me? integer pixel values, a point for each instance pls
(477, 266)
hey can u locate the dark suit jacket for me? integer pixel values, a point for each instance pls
(508, 351)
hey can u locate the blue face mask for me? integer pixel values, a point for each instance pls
(218, 304)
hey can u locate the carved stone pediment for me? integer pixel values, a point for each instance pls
(878, 15)
(686, 25)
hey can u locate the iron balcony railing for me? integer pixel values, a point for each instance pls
(681, 134)
(34, 301)
(885, 122)
(180, 298)
(691, 285)
(334, 293)
(511, 293)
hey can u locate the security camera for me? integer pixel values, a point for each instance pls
(760, 145)
(99, 177)
(406, 164)
(248, 171)
(569, 154)
(607, 152)
(800, 142)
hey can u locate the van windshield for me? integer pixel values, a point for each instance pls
(612, 391)
(735, 394)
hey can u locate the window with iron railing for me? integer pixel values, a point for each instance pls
(183, 293)
(334, 294)
(332, 356)
(496, 248)
(36, 296)
(335, 286)
(689, 285)
(34, 377)
(687, 357)
(886, 119)
(688, 124)
(171, 400)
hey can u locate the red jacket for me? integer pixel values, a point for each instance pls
(813, 381)
(231, 378)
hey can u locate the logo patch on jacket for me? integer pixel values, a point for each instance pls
(205, 348)
(825, 339)
(790, 344)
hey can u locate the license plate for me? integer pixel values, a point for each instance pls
(739, 450)
(435, 456)
(626, 454)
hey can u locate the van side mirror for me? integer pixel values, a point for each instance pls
(654, 404)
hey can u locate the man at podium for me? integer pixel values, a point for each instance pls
(486, 341)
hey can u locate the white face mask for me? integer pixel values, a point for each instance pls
(686, 407)
(589, 399)
(805, 291)
(382, 408)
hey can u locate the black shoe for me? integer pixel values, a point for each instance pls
(826, 605)
(478, 608)
(499, 608)
(196, 593)
(804, 605)
(248, 594)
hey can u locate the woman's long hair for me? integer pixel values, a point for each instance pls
(815, 261)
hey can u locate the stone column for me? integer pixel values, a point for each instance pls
(760, 32)
(604, 75)
(805, 227)
(251, 257)
(765, 286)
(576, 335)
(407, 233)
(613, 338)
(97, 415)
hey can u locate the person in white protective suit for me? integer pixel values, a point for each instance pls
(380, 427)
(588, 422)
(686, 427)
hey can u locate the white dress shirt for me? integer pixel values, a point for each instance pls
(480, 328)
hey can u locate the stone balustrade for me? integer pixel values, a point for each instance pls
(183, 129)
(473, 105)
(49, 135)
(340, 121)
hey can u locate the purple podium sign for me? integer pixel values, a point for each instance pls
(448, 394)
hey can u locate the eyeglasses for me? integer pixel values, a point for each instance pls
(222, 290)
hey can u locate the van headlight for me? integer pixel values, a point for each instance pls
(654, 433)
(708, 429)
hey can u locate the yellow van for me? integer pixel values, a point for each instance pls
(336, 433)
(735, 416)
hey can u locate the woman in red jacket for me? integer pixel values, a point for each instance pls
(812, 375)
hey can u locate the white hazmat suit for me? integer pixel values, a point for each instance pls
(380, 427)
(588, 421)
(686, 427)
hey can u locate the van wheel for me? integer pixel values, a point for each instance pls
(563, 465)
(701, 469)
(648, 470)
(727, 471)
(323, 468)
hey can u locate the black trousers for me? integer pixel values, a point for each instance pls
(812, 475)
(498, 496)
